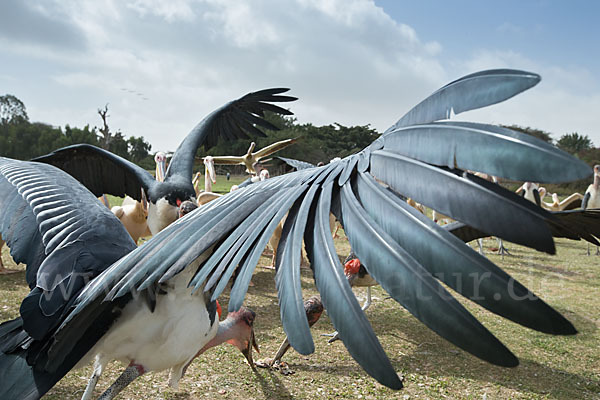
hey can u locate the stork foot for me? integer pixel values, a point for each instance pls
(503, 251)
(334, 336)
(277, 365)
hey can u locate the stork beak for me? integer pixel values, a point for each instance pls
(247, 351)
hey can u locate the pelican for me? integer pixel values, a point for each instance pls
(210, 176)
(572, 202)
(112, 282)
(251, 157)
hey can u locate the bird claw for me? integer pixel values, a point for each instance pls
(278, 365)
(503, 251)
(334, 336)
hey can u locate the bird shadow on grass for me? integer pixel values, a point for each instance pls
(271, 385)
(13, 282)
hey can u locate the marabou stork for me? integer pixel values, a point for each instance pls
(69, 245)
(591, 199)
(103, 172)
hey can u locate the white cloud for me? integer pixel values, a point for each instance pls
(347, 61)
(171, 11)
(566, 100)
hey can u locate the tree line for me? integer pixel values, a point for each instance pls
(22, 139)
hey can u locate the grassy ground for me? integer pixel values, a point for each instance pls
(551, 367)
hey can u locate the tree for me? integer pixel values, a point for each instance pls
(138, 148)
(574, 143)
(545, 136)
(105, 136)
(118, 145)
(12, 110)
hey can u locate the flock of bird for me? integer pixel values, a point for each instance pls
(96, 296)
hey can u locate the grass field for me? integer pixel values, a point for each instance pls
(551, 367)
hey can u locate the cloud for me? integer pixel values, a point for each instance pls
(347, 61)
(566, 100)
(23, 23)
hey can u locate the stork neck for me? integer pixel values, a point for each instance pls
(596, 181)
(227, 331)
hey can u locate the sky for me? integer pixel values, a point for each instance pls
(161, 66)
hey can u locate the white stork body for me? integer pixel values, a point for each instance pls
(171, 335)
(593, 190)
(160, 215)
(591, 199)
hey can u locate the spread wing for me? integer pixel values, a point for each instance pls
(273, 148)
(296, 163)
(103, 172)
(406, 253)
(100, 171)
(232, 121)
(67, 238)
(228, 160)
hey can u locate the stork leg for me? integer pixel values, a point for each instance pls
(89, 389)
(480, 244)
(597, 251)
(313, 308)
(501, 249)
(3, 269)
(283, 348)
(128, 376)
(335, 335)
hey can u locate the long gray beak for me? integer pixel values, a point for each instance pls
(247, 352)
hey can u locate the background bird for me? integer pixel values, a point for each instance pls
(133, 215)
(357, 276)
(103, 172)
(252, 157)
(571, 202)
(313, 308)
(210, 176)
(591, 199)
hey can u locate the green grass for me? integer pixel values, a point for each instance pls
(552, 367)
